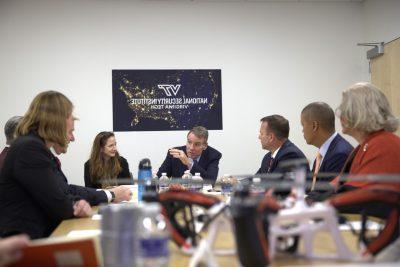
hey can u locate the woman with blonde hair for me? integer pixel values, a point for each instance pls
(365, 114)
(34, 194)
(106, 167)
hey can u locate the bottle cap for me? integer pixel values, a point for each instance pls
(197, 173)
(145, 164)
(164, 174)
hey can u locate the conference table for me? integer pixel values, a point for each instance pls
(323, 243)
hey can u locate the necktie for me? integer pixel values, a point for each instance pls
(58, 162)
(271, 161)
(316, 169)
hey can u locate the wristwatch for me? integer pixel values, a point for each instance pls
(112, 196)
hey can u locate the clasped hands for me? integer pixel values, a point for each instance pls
(122, 193)
(180, 154)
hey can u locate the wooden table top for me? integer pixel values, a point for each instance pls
(322, 244)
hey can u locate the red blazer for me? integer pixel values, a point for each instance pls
(378, 154)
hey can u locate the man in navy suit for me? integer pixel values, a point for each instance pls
(318, 121)
(274, 133)
(196, 156)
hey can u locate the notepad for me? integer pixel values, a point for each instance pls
(60, 252)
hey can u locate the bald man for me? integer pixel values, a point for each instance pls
(318, 121)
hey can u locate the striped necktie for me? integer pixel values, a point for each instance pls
(316, 169)
(271, 161)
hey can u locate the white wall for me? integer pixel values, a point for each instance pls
(275, 58)
(382, 20)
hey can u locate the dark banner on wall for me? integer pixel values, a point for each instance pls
(166, 100)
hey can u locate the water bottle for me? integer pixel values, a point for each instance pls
(153, 237)
(154, 181)
(196, 184)
(109, 236)
(118, 234)
(226, 185)
(246, 220)
(186, 178)
(144, 175)
(163, 182)
(257, 187)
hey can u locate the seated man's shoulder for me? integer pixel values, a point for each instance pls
(213, 152)
(343, 144)
(292, 149)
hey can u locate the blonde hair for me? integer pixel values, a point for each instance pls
(367, 109)
(101, 171)
(47, 115)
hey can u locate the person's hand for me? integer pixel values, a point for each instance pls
(82, 209)
(176, 187)
(179, 154)
(122, 193)
(269, 192)
(11, 249)
(293, 193)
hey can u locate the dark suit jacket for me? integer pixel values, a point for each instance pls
(207, 165)
(3, 156)
(124, 174)
(335, 157)
(288, 151)
(91, 195)
(34, 198)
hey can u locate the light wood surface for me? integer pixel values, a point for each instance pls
(385, 71)
(323, 244)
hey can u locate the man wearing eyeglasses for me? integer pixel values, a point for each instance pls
(196, 156)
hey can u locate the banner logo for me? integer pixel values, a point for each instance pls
(170, 88)
(166, 100)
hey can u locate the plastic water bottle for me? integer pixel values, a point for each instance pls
(144, 175)
(119, 235)
(163, 182)
(226, 184)
(153, 237)
(154, 181)
(257, 186)
(197, 183)
(187, 178)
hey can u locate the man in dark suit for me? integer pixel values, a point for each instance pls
(9, 131)
(196, 156)
(274, 133)
(318, 121)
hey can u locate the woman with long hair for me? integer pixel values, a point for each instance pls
(106, 167)
(34, 194)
